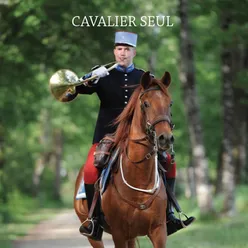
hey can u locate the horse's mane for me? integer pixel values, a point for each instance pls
(124, 120)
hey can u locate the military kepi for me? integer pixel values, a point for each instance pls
(123, 37)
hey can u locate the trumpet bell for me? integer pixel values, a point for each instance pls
(63, 82)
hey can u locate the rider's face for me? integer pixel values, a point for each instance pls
(124, 55)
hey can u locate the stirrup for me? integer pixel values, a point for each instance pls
(180, 218)
(93, 227)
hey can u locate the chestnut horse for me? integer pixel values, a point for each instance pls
(134, 203)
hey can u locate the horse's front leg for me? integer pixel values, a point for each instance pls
(122, 243)
(119, 239)
(158, 236)
(96, 244)
(131, 243)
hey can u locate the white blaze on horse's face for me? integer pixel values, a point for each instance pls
(155, 105)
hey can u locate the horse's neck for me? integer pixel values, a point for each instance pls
(137, 152)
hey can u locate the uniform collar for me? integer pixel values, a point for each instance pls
(124, 69)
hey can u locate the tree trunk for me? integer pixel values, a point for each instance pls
(240, 140)
(152, 61)
(58, 145)
(190, 188)
(238, 56)
(3, 179)
(245, 176)
(241, 113)
(187, 77)
(245, 172)
(218, 181)
(228, 177)
(45, 156)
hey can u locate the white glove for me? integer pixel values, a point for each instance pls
(100, 72)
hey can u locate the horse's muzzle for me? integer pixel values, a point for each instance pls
(165, 141)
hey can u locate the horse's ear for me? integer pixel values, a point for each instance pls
(145, 80)
(166, 79)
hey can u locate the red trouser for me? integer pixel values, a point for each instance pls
(91, 172)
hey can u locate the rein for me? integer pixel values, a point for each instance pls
(156, 174)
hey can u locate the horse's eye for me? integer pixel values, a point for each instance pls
(146, 104)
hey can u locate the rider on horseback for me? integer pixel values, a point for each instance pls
(116, 83)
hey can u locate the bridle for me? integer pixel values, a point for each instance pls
(150, 133)
(150, 125)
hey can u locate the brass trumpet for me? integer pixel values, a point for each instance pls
(65, 81)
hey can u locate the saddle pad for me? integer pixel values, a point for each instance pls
(81, 191)
(104, 179)
(106, 172)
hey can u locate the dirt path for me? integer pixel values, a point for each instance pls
(59, 232)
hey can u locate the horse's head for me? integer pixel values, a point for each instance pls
(155, 105)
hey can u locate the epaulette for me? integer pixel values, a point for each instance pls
(139, 69)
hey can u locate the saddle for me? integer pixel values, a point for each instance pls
(103, 151)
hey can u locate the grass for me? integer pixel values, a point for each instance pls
(224, 233)
(5, 244)
(212, 232)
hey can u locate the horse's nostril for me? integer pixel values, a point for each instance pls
(162, 138)
(172, 139)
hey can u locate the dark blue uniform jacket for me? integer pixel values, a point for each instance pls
(113, 96)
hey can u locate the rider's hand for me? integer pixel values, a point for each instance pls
(100, 72)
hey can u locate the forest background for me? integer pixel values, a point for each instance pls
(43, 142)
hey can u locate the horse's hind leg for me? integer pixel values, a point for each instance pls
(158, 236)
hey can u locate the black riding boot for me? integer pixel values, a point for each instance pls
(173, 223)
(93, 230)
